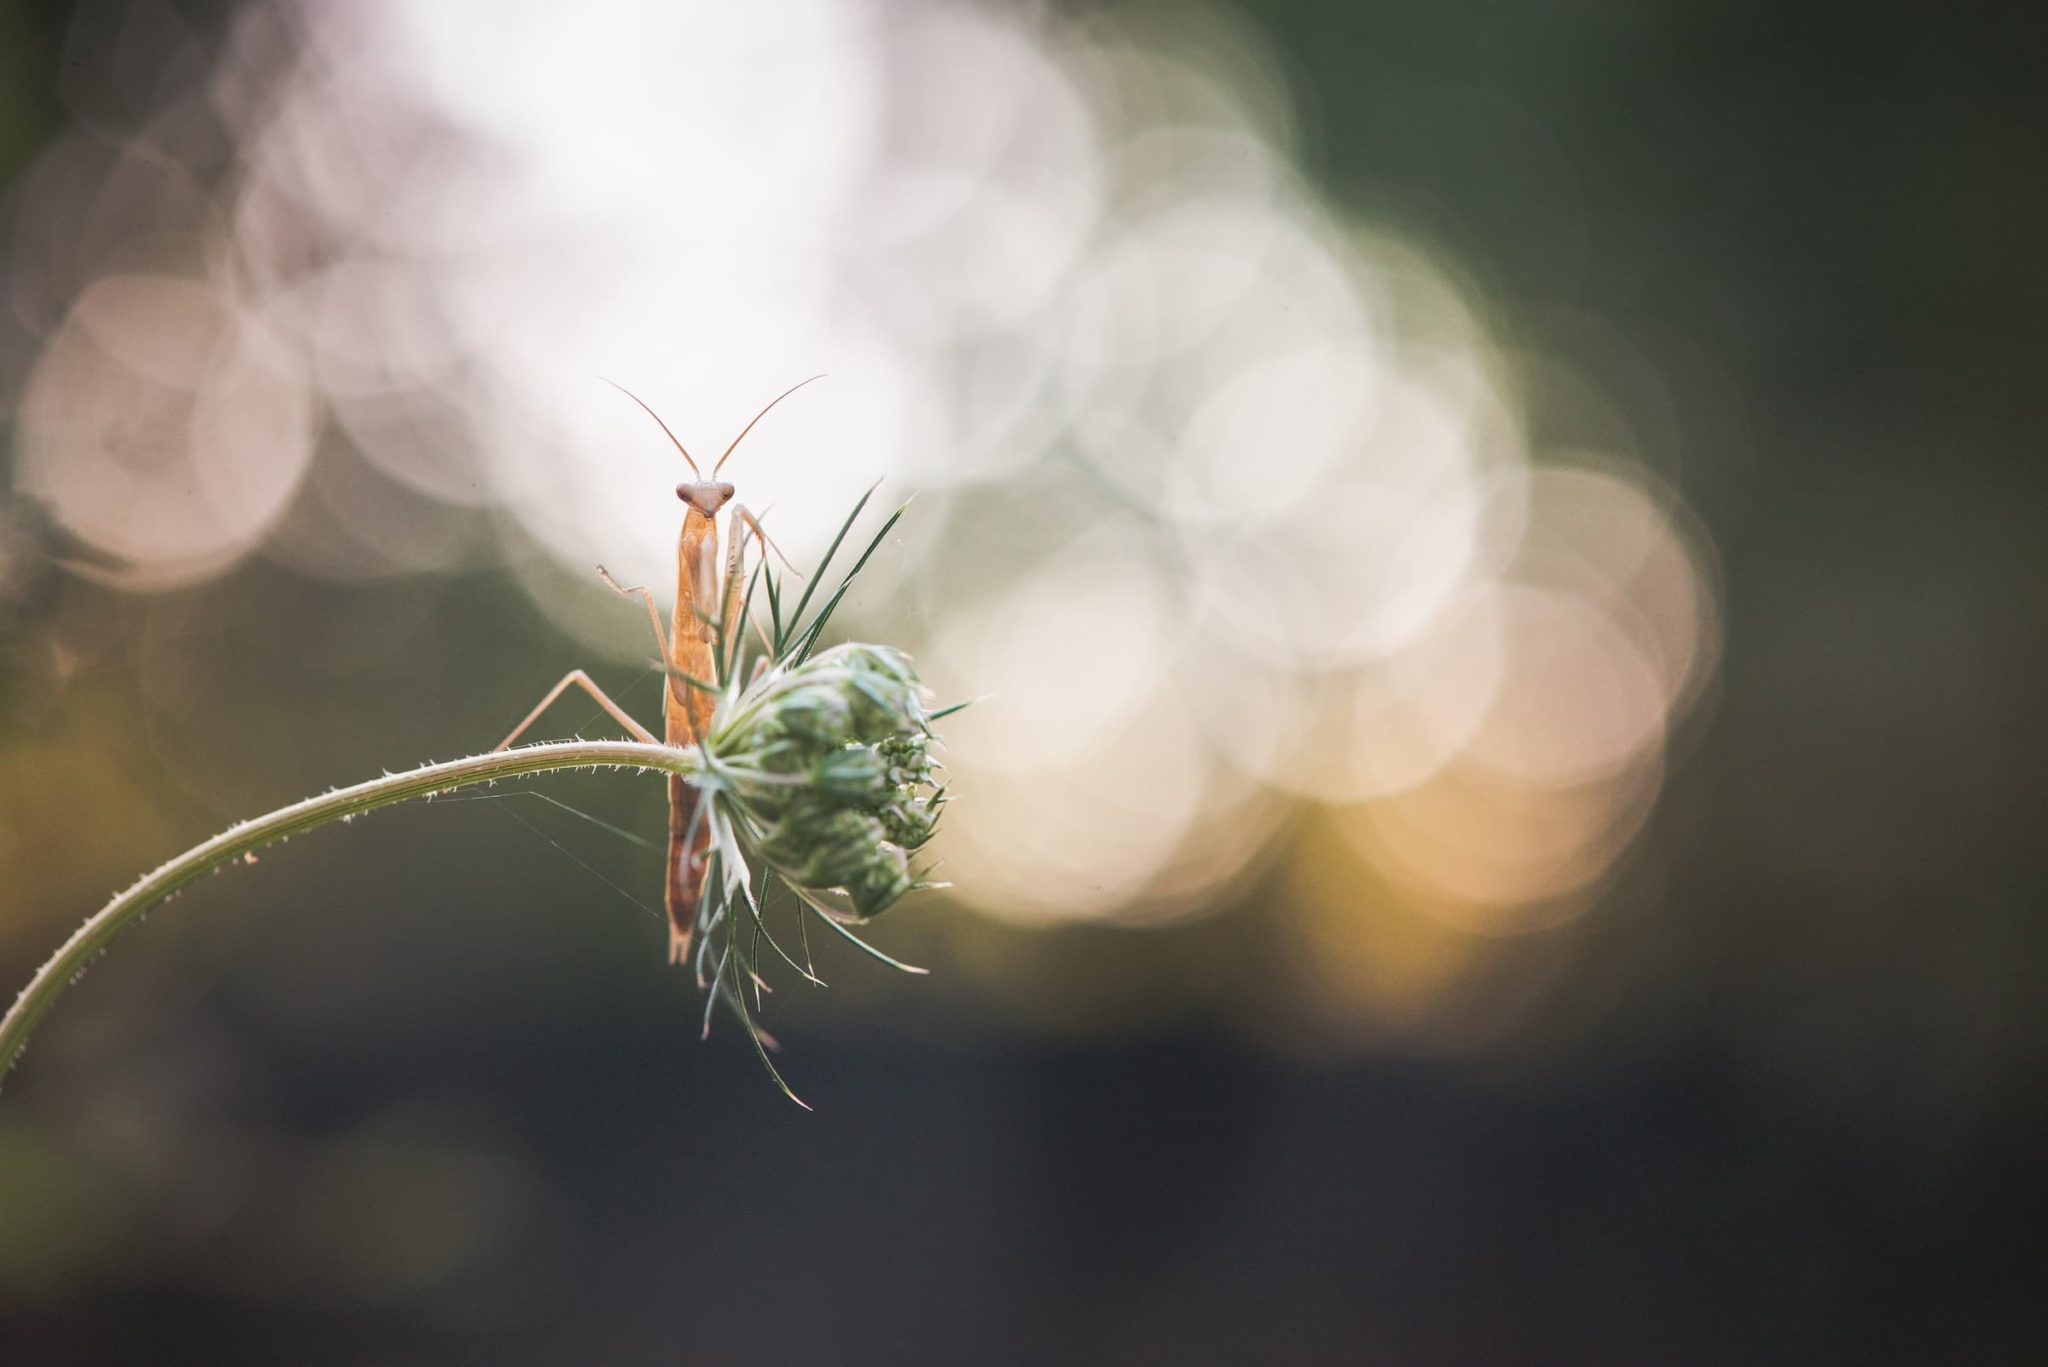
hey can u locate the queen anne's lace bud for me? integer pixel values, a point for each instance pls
(830, 762)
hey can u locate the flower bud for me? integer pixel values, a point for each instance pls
(831, 762)
(855, 774)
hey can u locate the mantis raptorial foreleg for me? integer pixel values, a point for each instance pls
(745, 524)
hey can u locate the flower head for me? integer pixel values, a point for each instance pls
(830, 773)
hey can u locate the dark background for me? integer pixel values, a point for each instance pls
(1804, 1124)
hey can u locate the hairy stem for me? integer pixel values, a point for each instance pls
(77, 952)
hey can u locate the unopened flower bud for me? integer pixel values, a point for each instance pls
(832, 761)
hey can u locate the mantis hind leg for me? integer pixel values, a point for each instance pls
(583, 681)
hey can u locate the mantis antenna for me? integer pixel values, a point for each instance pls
(672, 436)
(750, 426)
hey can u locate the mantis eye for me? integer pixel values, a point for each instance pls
(683, 492)
(725, 492)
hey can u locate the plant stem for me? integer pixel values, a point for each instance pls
(92, 937)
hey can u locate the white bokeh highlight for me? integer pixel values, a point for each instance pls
(1264, 525)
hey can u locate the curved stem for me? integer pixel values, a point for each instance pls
(77, 952)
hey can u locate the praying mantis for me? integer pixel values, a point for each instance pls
(707, 610)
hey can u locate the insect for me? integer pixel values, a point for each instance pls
(706, 604)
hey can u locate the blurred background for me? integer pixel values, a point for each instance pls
(1495, 542)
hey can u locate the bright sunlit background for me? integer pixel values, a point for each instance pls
(1325, 433)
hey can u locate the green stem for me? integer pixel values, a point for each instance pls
(92, 937)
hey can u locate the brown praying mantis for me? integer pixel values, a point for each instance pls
(707, 611)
